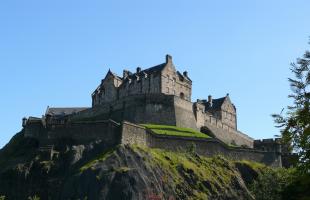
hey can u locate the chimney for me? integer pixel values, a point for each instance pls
(210, 100)
(24, 122)
(138, 70)
(168, 58)
(125, 74)
(185, 73)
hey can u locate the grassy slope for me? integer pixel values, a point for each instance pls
(174, 131)
(190, 176)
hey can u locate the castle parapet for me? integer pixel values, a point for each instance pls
(272, 145)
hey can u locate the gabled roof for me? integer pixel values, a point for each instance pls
(113, 74)
(63, 111)
(184, 77)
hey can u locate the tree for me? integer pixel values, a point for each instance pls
(295, 123)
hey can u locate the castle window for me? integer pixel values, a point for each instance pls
(182, 95)
(167, 78)
(167, 90)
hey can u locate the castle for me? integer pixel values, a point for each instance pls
(157, 95)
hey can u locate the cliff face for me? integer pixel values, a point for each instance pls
(95, 171)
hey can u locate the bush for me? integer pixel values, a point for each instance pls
(271, 183)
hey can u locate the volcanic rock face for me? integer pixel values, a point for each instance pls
(95, 171)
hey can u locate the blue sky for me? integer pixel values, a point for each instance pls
(56, 52)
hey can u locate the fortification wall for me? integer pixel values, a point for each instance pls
(184, 113)
(227, 134)
(211, 147)
(133, 134)
(148, 108)
(107, 131)
(34, 130)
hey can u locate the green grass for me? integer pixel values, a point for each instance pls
(183, 168)
(254, 165)
(174, 131)
(102, 157)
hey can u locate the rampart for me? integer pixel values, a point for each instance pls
(78, 132)
(144, 108)
(227, 134)
(134, 134)
(112, 133)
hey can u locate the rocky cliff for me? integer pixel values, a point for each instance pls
(96, 171)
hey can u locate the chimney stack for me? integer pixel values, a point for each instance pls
(210, 100)
(185, 73)
(138, 69)
(125, 74)
(24, 121)
(168, 58)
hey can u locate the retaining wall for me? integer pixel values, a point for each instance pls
(134, 134)
(229, 136)
(107, 131)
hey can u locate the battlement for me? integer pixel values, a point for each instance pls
(268, 144)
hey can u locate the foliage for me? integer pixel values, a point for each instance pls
(35, 197)
(299, 189)
(271, 183)
(192, 149)
(175, 131)
(2, 197)
(295, 124)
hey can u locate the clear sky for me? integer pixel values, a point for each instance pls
(55, 52)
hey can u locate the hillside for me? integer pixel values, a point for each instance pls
(95, 171)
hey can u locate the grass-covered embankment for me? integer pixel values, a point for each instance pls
(174, 131)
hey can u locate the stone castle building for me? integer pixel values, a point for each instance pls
(157, 95)
(160, 79)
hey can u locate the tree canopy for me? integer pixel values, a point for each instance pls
(295, 122)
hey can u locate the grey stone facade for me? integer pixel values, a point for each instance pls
(160, 79)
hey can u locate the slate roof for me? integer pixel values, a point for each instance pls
(34, 119)
(216, 104)
(63, 111)
(115, 75)
(152, 70)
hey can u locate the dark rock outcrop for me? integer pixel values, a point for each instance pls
(95, 171)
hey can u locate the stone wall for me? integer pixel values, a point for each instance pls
(148, 108)
(133, 134)
(184, 114)
(34, 130)
(148, 84)
(211, 147)
(174, 83)
(227, 134)
(80, 132)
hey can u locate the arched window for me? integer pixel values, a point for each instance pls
(182, 95)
